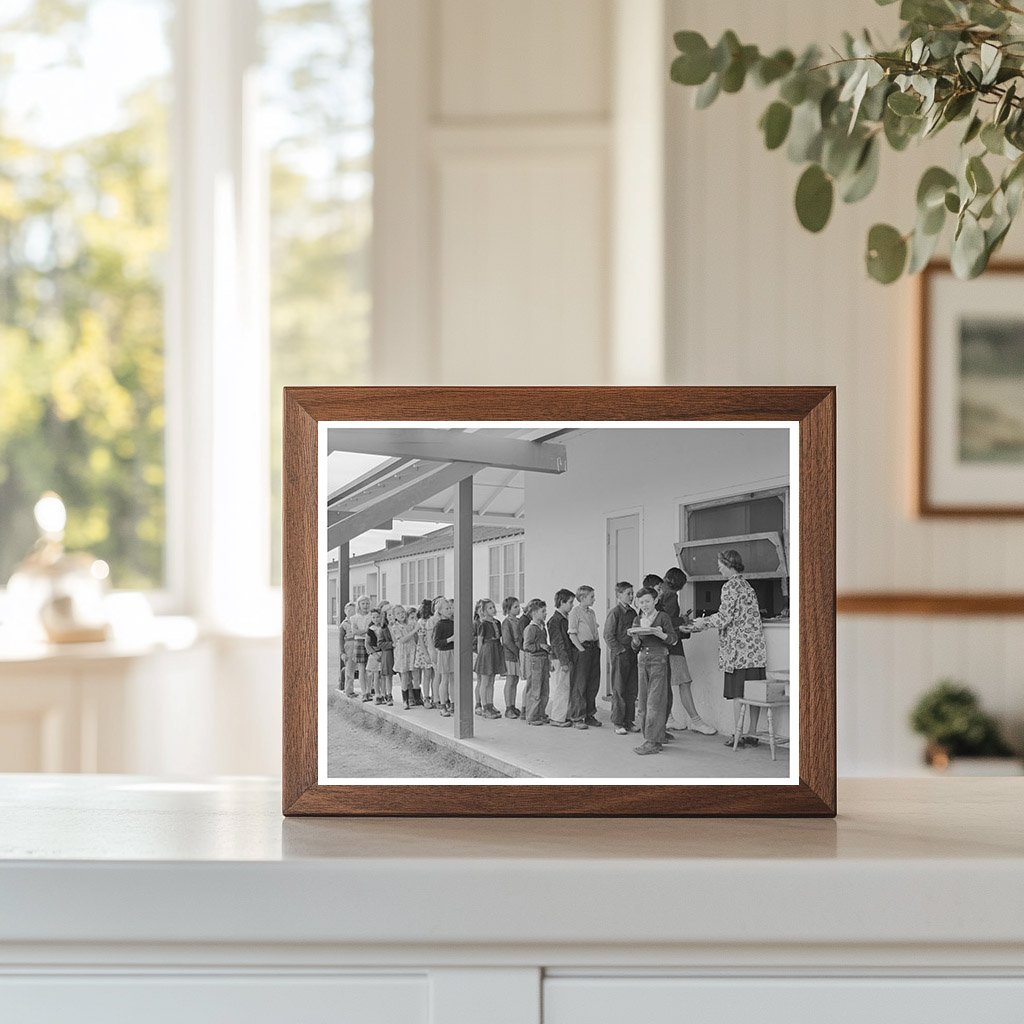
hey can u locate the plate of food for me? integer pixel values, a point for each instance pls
(643, 630)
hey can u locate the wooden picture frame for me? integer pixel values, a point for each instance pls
(934, 476)
(811, 792)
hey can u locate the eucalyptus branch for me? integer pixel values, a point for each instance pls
(833, 118)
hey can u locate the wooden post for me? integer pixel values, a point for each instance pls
(343, 588)
(464, 608)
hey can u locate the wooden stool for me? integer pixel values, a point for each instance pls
(746, 704)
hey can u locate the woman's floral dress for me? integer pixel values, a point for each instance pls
(740, 632)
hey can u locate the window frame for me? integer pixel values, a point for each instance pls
(747, 493)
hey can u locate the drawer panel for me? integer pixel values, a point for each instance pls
(202, 999)
(569, 1000)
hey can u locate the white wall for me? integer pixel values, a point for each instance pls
(652, 472)
(754, 299)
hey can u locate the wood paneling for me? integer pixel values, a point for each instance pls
(531, 58)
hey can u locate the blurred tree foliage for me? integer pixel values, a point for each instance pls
(82, 232)
(82, 242)
(317, 85)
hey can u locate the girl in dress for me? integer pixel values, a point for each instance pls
(742, 653)
(444, 645)
(386, 648)
(403, 635)
(359, 623)
(512, 649)
(422, 663)
(489, 659)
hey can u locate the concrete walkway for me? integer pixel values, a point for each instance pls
(516, 749)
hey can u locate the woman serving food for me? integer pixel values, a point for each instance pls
(742, 653)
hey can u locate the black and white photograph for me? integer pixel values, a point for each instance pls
(537, 602)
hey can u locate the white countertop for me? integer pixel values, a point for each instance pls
(121, 859)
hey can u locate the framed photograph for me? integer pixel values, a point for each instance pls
(970, 444)
(559, 601)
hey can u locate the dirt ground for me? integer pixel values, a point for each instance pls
(362, 745)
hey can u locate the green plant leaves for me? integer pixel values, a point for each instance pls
(693, 65)
(775, 122)
(814, 196)
(887, 253)
(969, 255)
(957, 60)
(903, 103)
(931, 191)
(865, 173)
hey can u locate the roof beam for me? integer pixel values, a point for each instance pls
(498, 488)
(442, 445)
(433, 515)
(369, 477)
(356, 500)
(399, 500)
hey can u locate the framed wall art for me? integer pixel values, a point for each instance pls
(970, 422)
(559, 601)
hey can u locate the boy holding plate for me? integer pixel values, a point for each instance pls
(652, 636)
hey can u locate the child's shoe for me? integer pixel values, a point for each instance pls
(478, 710)
(704, 728)
(367, 697)
(405, 699)
(417, 697)
(428, 704)
(647, 748)
(390, 701)
(620, 730)
(445, 711)
(490, 711)
(566, 724)
(511, 713)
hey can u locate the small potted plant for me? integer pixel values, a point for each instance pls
(950, 717)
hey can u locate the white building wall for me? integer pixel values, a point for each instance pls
(651, 471)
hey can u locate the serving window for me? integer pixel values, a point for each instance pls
(754, 524)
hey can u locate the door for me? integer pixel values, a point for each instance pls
(622, 563)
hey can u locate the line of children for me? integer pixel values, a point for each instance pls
(559, 660)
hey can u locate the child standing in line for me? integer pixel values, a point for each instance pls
(360, 622)
(680, 680)
(386, 647)
(422, 659)
(562, 653)
(348, 651)
(585, 677)
(652, 635)
(489, 658)
(373, 658)
(444, 645)
(512, 649)
(620, 620)
(403, 635)
(538, 663)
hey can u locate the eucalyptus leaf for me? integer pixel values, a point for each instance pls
(968, 247)
(805, 133)
(814, 196)
(865, 174)
(724, 51)
(931, 190)
(978, 176)
(707, 93)
(771, 69)
(993, 138)
(973, 129)
(904, 103)
(775, 124)
(886, 253)
(922, 248)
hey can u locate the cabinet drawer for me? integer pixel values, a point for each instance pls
(202, 999)
(625, 1000)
